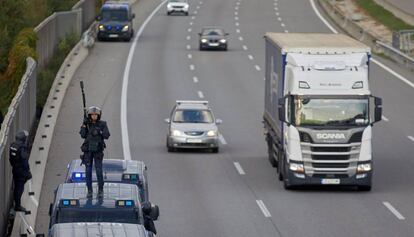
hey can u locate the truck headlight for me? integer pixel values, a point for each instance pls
(211, 133)
(296, 167)
(204, 40)
(223, 41)
(177, 133)
(101, 27)
(125, 28)
(362, 168)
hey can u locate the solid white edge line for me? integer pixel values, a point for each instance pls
(393, 210)
(239, 168)
(222, 140)
(262, 207)
(200, 94)
(124, 121)
(411, 138)
(385, 118)
(386, 68)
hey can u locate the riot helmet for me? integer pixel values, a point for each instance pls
(22, 135)
(94, 110)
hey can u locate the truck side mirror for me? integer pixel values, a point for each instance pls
(282, 109)
(378, 109)
(50, 209)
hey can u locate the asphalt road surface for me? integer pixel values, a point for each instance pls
(234, 192)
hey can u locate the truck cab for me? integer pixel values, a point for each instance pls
(120, 204)
(319, 110)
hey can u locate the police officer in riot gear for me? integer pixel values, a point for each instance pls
(94, 131)
(19, 160)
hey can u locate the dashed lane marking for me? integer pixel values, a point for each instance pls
(188, 37)
(245, 47)
(189, 30)
(190, 56)
(200, 94)
(393, 210)
(411, 138)
(238, 30)
(195, 79)
(283, 25)
(279, 19)
(192, 67)
(188, 46)
(236, 18)
(250, 56)
(257, 67)
(222, 140)
(239, 168)
(240, 38)
(262, 207)
(237, 24)
(385, 118)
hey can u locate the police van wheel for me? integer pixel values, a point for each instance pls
(215, 150)
(287, 185)
(186, 13)
(170, 149)
(364, 188)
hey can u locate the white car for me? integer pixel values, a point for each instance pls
(181, 6)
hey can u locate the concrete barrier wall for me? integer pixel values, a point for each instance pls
(400, 13)
(21, 115)
(88, 8)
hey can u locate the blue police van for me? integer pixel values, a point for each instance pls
(115, 21)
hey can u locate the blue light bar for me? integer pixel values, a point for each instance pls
(69, 202)
(125, 203)
(78, 176)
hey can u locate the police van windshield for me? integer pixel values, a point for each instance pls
(114, 15)
(68, 215)
(193, 116)
(331, 112)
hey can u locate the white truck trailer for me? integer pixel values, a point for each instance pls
(319, 110)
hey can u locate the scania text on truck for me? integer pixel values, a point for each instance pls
(319, 110)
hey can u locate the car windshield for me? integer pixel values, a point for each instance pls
(192, 116)
(114, 15)
(68, 215)
(335, 112)
(213, 32)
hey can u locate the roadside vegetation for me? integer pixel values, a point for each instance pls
(383, 16)
(18, 41)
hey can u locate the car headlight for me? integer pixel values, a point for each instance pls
(125, 28)
(211, 133)
(177, 133)
(364, 168)
(101, 27)
(296, 167)
(186, 7)
(204, 40)
(223, 41)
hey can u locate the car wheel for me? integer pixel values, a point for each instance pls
(225, 48)
(100, 38)
(170, 149)
(168, 13)
(186, 13)
(215, 150)
(127, 39)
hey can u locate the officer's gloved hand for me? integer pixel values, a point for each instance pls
(85, 121)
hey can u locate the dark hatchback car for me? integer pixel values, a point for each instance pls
(213, 38)
(115, 22)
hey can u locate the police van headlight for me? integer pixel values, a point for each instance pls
(125, 28)
(101, 27)
(223, 41)
(211, 133)
(363, 168)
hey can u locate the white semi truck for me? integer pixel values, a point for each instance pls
(319, 110)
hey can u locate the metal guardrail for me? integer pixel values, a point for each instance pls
(21, 115)
(396, 55)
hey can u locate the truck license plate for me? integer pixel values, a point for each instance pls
(330, 181)
(194, 140)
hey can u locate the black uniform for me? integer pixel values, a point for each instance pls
(93, 146)
(19, 157)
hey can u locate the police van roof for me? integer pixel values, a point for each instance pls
(113, 165)
(112, 192)
(98, 229)
(115, 5)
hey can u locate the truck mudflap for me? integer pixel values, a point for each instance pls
(293, 179)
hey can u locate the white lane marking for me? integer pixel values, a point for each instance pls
(191, 23)
(195, 79)
(222, 140)
(195, 12)
(28, 227)
(198, 7)
(385, 118)
(286, 31)
(236, 13)
(279, 19)
(257, 67)
(393, 210)
(386, 68)
(411, 138)
(237, 3)
(264, 78)
(236, 8)
(240, 38)
(200, 94)
(277, 13)
(188, 46)
(262, 207)
(189, 29)
(190, 56)
(275, 3)
(239, 168)
(237, 24)
(236, 18)
(245, 47)
(283, 25)
(250, 57)
(238, 30)
(201, 3)
(276, 9)
(192, 67)
(125, 79)
(193, 17)
(188, 37)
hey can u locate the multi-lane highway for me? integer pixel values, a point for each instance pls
(234, 192)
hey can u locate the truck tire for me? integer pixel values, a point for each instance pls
(271, 155)
(280, 166)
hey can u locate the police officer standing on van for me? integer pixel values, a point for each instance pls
(94, 131)
(19, 160)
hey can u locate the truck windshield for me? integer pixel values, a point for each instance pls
(331, 112)
(114, 15)
(68, 215)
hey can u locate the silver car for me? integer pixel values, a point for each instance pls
(192, 125)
